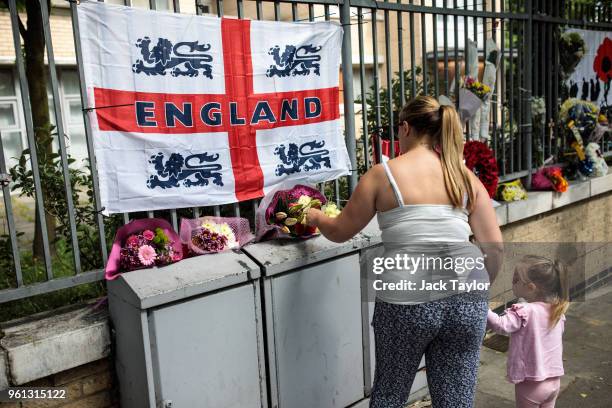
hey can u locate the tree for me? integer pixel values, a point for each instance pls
(34, 53)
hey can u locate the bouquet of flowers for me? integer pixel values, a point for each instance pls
(477, 88)
(583, 125)
(593, 155)
(549, 178)
(511, 191)
(579, 116)
(207, 235)
(481, 160)
(142, 244)
(281, 212)
(471, 96)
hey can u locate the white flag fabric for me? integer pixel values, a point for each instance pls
(197, 110)
(592, 77)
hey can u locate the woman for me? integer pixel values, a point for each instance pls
(424, 198)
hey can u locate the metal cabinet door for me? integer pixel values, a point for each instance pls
(205, 351)
(316, 335)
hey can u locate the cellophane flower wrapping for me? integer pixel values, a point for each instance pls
(277, 202)
(549, 179)
(207, 235)
(469, 103)
(143, 243)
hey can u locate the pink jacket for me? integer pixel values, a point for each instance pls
(536, 351)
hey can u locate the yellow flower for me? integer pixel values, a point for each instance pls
(304, 200)
(331, 210)
(209, 225)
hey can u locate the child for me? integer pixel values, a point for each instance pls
(535, 363)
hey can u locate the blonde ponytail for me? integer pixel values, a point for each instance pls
(551, 279)
(561, 302)
(441, 122)
(456, 177)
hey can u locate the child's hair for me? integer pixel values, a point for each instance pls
(551, 280)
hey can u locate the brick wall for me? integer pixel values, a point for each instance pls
(588, 221)
(61, 33)
(585, 221)
(92, 385)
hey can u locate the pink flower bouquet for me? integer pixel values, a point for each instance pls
(141, 244)
(207, 235)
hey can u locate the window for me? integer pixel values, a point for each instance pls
(368, 81)
(165, 5)
(74, 130)
(461, 25)
(14, 138)
(73, 114)
(11, 124)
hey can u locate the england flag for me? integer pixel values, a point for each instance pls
(197, 110)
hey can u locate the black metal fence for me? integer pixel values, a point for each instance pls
(402, 49)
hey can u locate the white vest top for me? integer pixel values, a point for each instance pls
(425, 231)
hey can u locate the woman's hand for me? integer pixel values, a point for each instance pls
(355, 215)
(313, 217)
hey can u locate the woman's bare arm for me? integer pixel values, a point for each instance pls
(483, 222)
(359, 210)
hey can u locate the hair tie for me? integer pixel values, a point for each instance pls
(441, 110)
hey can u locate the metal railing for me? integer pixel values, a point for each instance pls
(421, 55)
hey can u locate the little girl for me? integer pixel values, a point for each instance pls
(535, 363)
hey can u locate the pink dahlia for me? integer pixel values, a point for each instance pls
(146, 255)
(148, 235)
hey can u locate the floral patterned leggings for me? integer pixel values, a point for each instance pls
(448, 331)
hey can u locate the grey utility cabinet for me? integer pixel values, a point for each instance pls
(282, 324)
(314, 322)
(190, 335)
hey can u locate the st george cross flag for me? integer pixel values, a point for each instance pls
(198, 110)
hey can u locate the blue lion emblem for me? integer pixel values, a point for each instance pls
(294, 61)
(305, 157)
(193, 170)
(182, 59)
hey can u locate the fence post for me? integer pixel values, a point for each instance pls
(347, 85)
(88, 135)
(528, 91)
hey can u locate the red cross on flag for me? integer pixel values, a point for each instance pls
(197, 110)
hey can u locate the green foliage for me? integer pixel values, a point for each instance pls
(55, 203)
(571, 50)
(383, 129)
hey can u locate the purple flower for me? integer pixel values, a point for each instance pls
(208, 240)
